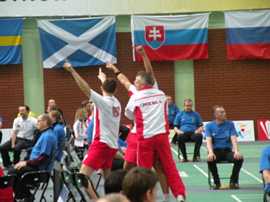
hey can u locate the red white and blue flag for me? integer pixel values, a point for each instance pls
(248, 34)
(181, 37)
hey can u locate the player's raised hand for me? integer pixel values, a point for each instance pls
(139, 49)
(101, 75)
(67, 66)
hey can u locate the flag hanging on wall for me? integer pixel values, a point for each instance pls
(248, 34)
(82, 42)
(181, 37)
(10, 41)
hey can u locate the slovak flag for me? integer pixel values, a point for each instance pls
(248, 34)
(180, 37)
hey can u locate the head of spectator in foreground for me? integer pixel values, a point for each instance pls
(51, 105)
(219, 113)
(139, 185)
(143, 80)
(43, 122)
(113, 183)
(24, 111)
(188, 104)
(114, 198)
(55, 116)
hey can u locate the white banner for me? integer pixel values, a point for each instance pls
(18, 8)
(244, 129)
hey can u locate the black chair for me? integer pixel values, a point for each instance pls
(36, 180)
(82, 182)
(69, 182)
(211, 186)
(7, 181)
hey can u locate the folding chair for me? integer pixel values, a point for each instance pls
(36, 180)
(179, 151)
(81, 182)
(69, 182)
(210, 179)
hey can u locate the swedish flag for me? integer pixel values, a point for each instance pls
(10, 41)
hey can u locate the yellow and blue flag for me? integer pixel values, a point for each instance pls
(10, 41)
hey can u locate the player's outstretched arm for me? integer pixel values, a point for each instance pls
(83, 85)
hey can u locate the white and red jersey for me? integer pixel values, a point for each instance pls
(148, 108)
(107, 113)
(131, 91)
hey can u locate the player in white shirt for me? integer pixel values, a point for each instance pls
(131, 151)
(107, 112)
(148, 108)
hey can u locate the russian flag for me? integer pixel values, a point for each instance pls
(248, 34)
(181, 37)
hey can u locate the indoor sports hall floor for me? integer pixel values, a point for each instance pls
(195, 178)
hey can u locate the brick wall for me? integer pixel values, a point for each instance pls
(60, 85)
(241, 86)
(11, 92)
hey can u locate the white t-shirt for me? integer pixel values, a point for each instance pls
(79, 128)
(24, 128)
(148, 108)
(107, 114)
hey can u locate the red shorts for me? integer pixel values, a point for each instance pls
(131, 151)
(99, 156)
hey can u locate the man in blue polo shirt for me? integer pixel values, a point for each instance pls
(41, 158)
(221, 138)
(188, 127)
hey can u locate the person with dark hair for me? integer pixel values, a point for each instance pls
(189, 127)
(42, 156)
(132, 139)
(113, 182)
(59, 131)
(21, 137)
(107, 113)
(148, 108)
(139, 185)
(221, 138)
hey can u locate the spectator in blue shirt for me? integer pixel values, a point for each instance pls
(59, 131)
(172, 111)
(265, 169)
(221, 138)
(188, 127)
(42, 156)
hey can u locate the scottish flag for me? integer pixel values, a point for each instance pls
(83, 42)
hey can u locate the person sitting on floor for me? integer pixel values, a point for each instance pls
(221, 138)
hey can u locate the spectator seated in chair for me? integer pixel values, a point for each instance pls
(188, 127)
(41, 158)
(21, 137)
(221, 138)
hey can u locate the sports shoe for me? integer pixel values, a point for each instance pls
(180, 198)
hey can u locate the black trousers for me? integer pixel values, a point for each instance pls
(19, 145)
(190, 137)
(20, 190)
(225, 155)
